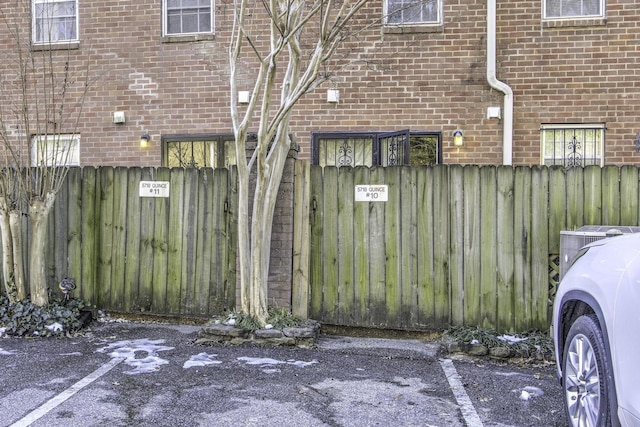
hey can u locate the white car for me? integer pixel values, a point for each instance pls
(596, 329)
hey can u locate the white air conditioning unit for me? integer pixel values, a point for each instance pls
(572, 241)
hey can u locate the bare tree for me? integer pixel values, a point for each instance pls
(289, 54)
(41, 104)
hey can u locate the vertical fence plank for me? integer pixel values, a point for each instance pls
(592, 195)
(119, 234)
(316, 254)
(457, 246)
(393, 245)
(203, 242)
(301, 224)
(190, 226)
(505, 265)
(175, 240)
(522, 248)
(345, 262)
(441, 220)
(488, 243)
(377, 251)
(105, 254)
(575, 197)
(160, 248)
(227, 237)
(472, 245)
(409, 228)
(611, 195)
(330, 246)
(539, 248)
(557, 207)
(148, 219)
(629, 195)
(74, 219)
(361, 246)
(90, 227)
(424, 247)
(133, 252)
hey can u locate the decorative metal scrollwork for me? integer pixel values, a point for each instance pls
(346, 154)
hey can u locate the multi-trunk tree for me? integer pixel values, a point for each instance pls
(41, 98)
(283, 47)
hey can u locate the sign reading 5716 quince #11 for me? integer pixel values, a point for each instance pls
(372, 193)
(154, 188)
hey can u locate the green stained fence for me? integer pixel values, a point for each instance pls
(170, 255)
(452, 245)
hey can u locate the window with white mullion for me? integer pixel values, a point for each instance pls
(556, 9)
(55, 21)
(188, 16)
(403, 12)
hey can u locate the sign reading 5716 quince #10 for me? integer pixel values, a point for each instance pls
(154, 188)
(372, 193)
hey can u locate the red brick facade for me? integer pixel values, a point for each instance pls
(581, 71)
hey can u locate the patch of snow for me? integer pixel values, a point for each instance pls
(268, 363)
(474, 342)
(202, 359)
(75, 353)
(6, 352)
(511, 339)
(127, 350)
(529, 392)
(2, 331)
(268, 326)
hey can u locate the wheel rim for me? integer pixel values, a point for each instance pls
(582, 383)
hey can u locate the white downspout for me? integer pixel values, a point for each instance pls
(507, 122)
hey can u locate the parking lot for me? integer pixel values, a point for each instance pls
(145, 374)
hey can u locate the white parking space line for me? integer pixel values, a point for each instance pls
(469, 413)
(55, 401)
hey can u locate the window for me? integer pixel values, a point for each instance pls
(55, 21)
(375, 148)
(188, 16)
(214, 151)
(55, 150)
(554, 9)
(399, 12)
(572, 145)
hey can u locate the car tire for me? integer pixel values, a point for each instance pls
(587, 378)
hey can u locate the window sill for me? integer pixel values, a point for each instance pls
(563, 23)
(187, 38)
(55, 46)
(412, 29)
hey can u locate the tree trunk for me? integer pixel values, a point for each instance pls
(7, 257)
(38, 213)
(17, 267)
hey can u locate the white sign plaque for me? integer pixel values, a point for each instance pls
(154, 188)
(372, 193)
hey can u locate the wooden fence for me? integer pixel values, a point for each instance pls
(452, 245)
(164, 255)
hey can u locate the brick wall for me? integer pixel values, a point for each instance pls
(578, 72)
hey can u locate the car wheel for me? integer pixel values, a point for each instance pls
(585, 371)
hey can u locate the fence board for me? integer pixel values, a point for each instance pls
(593, 195)
(441, 220)
(488, 281)
(377, 257)
(90, 196)
(505, 249)
(133, 246)
(522, 248)
(611, 195)
(629, 195)
(345, 249)
(457, 244)
(105, 209)
(362, 241)
(539, 247)
(424, 247)
(471, 284)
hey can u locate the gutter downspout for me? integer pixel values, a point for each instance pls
(507, 123)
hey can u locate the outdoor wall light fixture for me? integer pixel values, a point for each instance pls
(458, 138)
(637, 141)
(144, 140)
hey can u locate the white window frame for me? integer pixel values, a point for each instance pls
(55, 150)
(546, 16)
(597, 152)
(437, 22)
(165, 20)
(35, 20)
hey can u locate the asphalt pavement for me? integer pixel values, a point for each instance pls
(152, 374)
